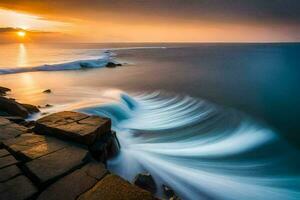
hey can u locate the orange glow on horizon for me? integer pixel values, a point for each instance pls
(115, 27)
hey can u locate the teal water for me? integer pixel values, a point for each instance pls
(214, 121)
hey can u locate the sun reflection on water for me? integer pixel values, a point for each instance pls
(22, 55)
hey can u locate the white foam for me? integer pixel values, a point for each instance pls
(72, 65)
(201, 150)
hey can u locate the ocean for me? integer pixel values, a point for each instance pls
(213, 121)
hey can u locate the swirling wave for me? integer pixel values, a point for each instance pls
(201, 150)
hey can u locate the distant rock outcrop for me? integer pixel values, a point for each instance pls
(12, 107)
(47, 91)
(112, 64)
(4, 90)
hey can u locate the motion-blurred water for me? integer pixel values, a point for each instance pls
(211, 121)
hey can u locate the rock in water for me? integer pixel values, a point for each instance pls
(106, 147)
(12, 107)
(169, 193)
(112, 65)
(145, 181)
(4, 90)
(31, 108)
(47, 91)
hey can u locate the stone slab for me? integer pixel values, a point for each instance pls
(7, 161)
(32, 146)
(74, 126)
(58, 163)
(112, 187)
(3, 152)
(9, 130)
(74, 184)
(9, 172)
(18, 188)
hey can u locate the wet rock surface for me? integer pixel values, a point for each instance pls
(146, 182)
(54, 163)
(169, 193)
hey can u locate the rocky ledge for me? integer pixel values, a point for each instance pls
(62, 156)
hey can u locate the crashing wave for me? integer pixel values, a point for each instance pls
(201, 150)
(102, 61)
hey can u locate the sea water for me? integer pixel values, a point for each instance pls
(212, 121)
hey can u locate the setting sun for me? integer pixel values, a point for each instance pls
(21, 33)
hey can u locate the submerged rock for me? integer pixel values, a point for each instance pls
(112, 64)
(145, 181)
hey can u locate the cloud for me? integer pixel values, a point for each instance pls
(275, 11)
(166, 20)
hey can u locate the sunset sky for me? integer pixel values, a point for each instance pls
(150, 20)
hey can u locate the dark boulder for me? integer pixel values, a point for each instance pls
(112, 64)
(31, 108)
(105, 147)
(4, 90)
(146, 182)
(169, 193)
(12, 107)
